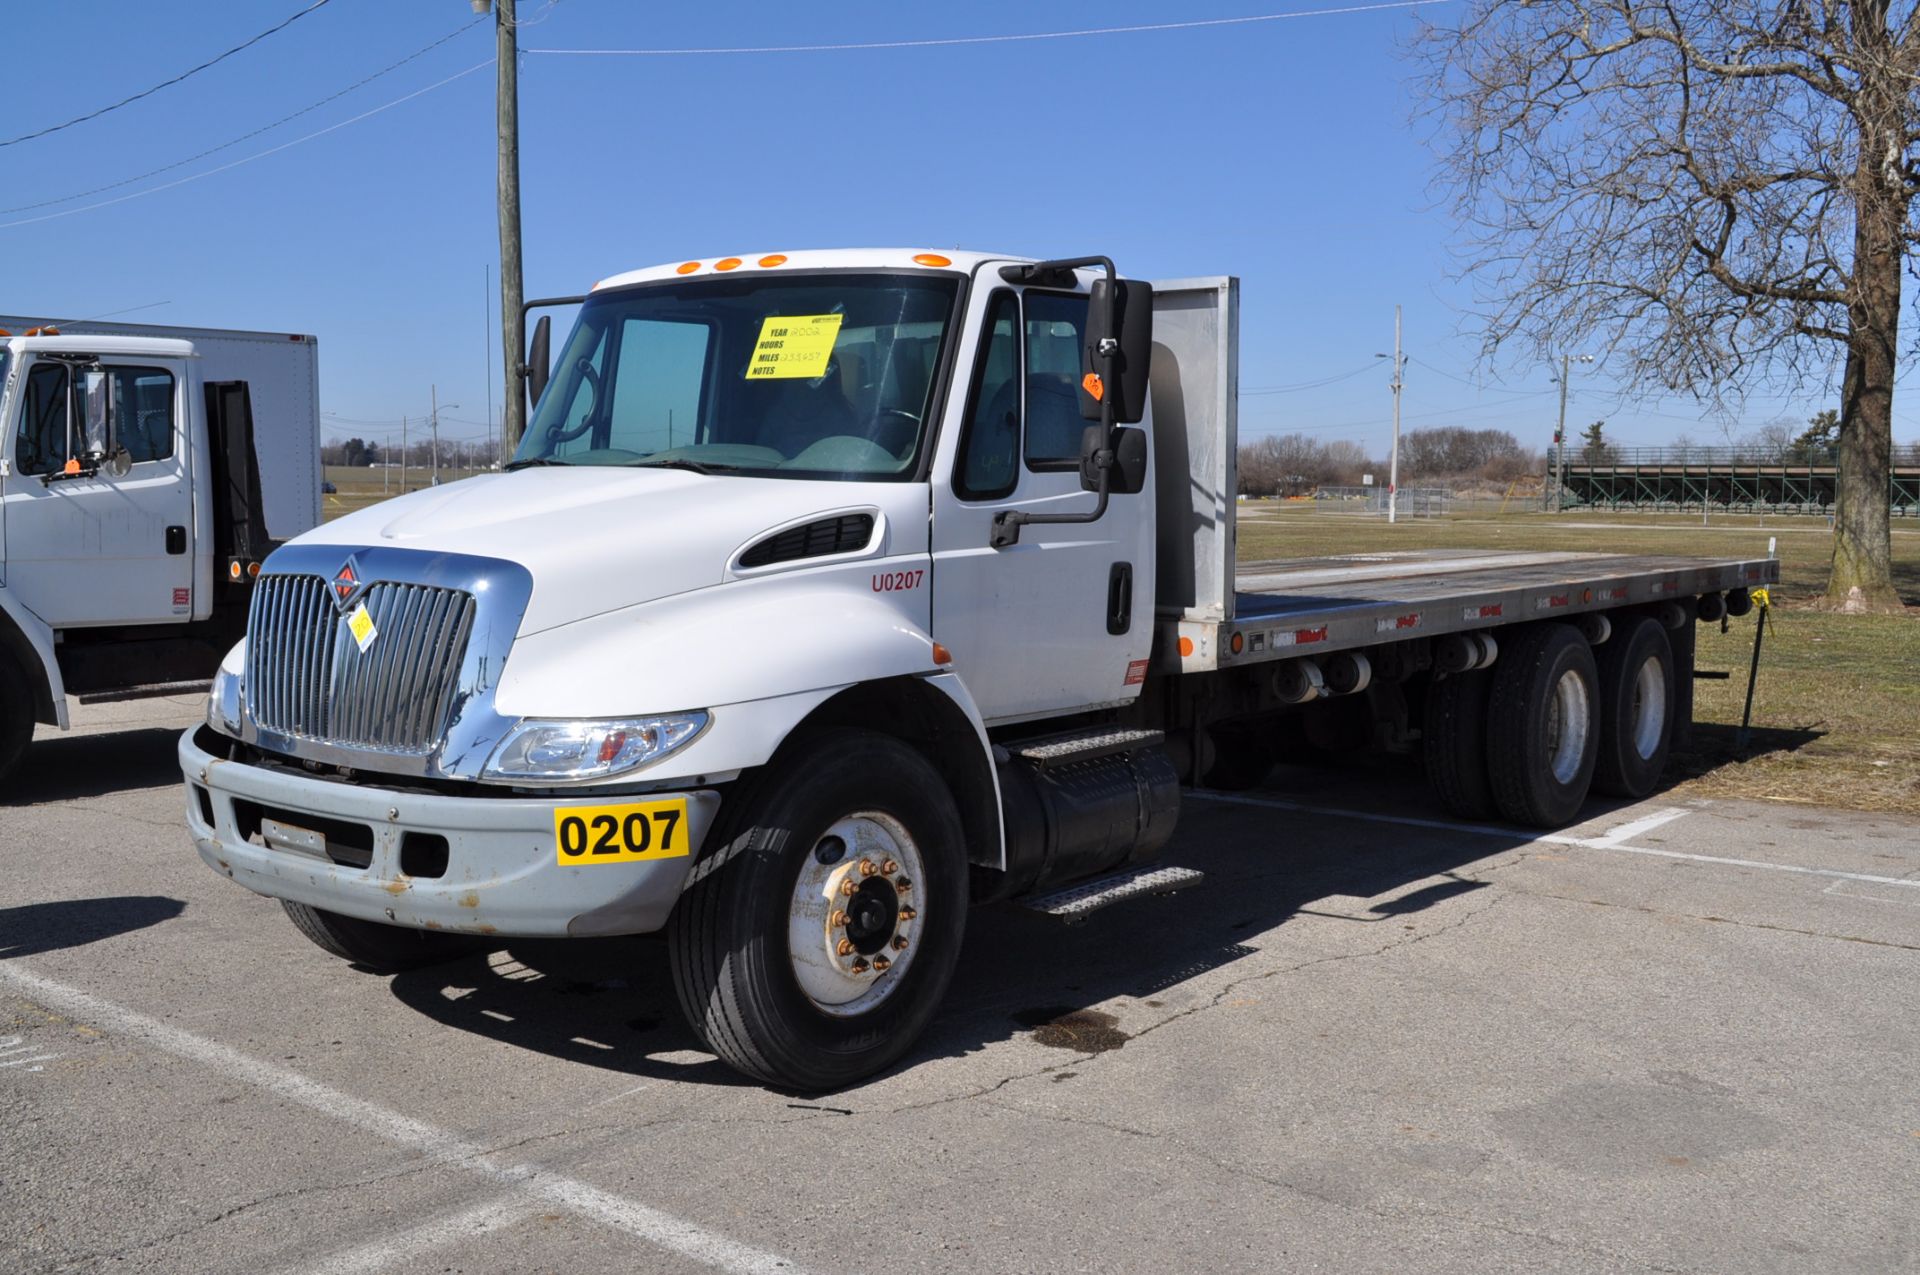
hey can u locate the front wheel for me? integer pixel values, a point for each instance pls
(824, 919)
(16, 715)
(384, 949)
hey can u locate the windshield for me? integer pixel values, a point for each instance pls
(804, 376)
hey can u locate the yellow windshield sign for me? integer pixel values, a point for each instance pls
(794, 345)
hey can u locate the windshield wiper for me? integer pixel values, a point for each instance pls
(531, 461)
(694, 466)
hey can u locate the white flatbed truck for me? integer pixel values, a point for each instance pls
(831, 592)
(145, 473)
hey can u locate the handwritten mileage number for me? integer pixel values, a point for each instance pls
(621, 834)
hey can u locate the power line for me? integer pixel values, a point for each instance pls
(128, 101)
(1310, 385)
(1000, 39)
(264, 128)
(248, 159)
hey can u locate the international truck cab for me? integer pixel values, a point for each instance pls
(831, 592)
(132, 508)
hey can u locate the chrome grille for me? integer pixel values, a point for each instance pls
(307, 677)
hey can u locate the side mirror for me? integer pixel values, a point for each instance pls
(539, 361)
(1129, 307)
(1129, 471)
(97, 439)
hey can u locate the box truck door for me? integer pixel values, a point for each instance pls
(94, 541)
(1061, 620)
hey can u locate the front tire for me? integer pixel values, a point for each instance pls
(384, 949)
(1543, 734)
(1636, 701)
(824, 918)
(16, 715)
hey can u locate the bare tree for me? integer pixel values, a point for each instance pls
(1720, 191)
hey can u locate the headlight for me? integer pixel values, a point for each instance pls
(223, 703)
(595, 749)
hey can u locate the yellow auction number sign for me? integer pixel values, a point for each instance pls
(621, 834)
(794, 345)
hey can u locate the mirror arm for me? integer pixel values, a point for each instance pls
(1007, 523)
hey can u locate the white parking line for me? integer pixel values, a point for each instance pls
(1515, 837)
(631, 1216)
(421, 1240)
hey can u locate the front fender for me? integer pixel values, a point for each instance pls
(30, 640)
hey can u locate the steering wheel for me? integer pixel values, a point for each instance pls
(889, 421)
(557, 435)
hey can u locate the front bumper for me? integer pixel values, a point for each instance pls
(502, 874)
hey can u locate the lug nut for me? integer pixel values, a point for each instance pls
(889, 867)
(907, 914)
(881, 964)
(866, 868)
(903, 885)
(845, 947)
(847, 887)
(838, 920)
(899, 942)
(860, 966)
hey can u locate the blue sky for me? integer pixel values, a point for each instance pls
(1282, 152)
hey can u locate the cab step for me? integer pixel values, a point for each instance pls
(1075, 903)
(1050, 751)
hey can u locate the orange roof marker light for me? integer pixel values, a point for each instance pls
(727, 263)
(931, 259)
(774, 259)
(686, 267)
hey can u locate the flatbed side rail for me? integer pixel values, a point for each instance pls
(1280, 626)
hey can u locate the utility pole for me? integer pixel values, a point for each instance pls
(1560, 439)
(403, 455)
(1393, 465)
(486, 347)
(436, 435)
(513, 340)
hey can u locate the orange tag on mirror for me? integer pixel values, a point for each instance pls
(1091, 384)
(72, 466)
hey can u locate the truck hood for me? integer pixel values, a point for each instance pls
(599, 539)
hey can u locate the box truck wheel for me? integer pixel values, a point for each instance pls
(1636, 719)
(1454, 744)
(825, 915)
(382, 948)
(16, 714)
(1543, 733)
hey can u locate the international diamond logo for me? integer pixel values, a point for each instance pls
(345, 585)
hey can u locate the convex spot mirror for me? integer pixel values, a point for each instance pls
(1129, 472)
(1131, 305)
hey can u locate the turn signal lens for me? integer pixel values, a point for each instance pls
(1186, 647)
(776, 259)
(686, 267)
(727, 263)
(932, 259)
(941, 655)
(1237, 643)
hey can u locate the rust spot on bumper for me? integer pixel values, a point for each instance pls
(471, 899)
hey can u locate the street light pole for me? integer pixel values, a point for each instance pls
(1393, 465)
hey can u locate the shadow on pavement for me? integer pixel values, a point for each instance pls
(49, 927)
(77, 767)
(610, 1004)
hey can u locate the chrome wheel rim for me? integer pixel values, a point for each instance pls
(1569, 718)
(1649, 708)
(854, 921)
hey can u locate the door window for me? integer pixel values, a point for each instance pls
(51, 432)
(989, 457)
(1055, 330)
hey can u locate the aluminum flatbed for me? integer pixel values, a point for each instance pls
(1310, 606)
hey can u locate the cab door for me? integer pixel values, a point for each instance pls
(1062, 620)
(99, 543)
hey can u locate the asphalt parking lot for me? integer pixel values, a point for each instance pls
(1677, 1037)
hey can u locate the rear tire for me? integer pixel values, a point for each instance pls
(759, 975)
(1454, 744)
(384, 949)
(16, 715)
(1543, 734)
(1636, 709)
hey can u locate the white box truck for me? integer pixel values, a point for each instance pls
(145, 473)
(832, 592)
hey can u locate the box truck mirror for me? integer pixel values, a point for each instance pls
(1127, 471)
(539, 361)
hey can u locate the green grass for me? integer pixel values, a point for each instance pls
(1838, 697)
(356, 489)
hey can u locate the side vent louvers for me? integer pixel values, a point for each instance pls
(844, 534)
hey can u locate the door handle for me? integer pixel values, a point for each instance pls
(176, 540)
(1119, 598)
